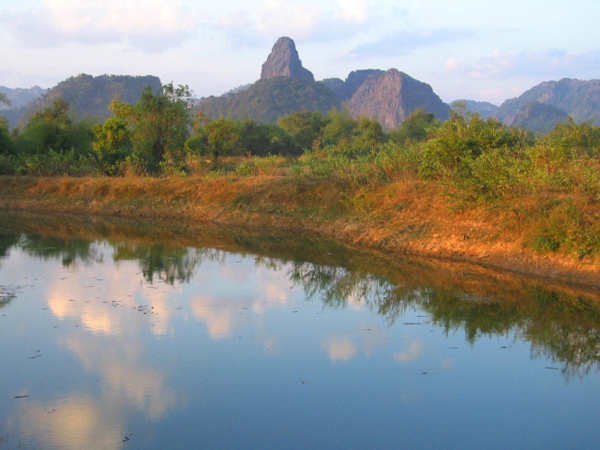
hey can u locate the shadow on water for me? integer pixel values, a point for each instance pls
(558, 321)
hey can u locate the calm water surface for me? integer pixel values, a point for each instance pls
(115, 335)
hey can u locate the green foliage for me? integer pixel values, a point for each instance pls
(52, 163)
(7, 146)
(306, 128)
(157, 124)
(341, 127)
(416, 128)
(4, 99)
(112, 143)
(494, 175)
(567, 141)
(8, 165)
(453, 146)
(53, 128)
(228, 137)
(268, 165)
(222, 136)
(265, 139)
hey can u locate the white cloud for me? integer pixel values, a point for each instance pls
(404, 42)
(547, 65)
(151, 25)
(301, 21)
(287, 18)
(352, 11)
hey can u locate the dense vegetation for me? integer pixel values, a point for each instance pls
(552, 179)
(268, 100)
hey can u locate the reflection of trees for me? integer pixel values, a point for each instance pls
(168, 263)
(68, 250)
(334, 286)
(7, 241)
(565, 328)
(7, 293)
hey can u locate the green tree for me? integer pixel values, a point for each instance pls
(306, 128)
(6, 143)
(157, 124)
(569, 140)
(222, 137)
(265, 139)
(415, 128)
(112, 143)
(461, 139)
(53, 129)
(368, 134)
(341, 127)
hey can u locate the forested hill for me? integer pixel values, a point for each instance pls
(580, 99)
(90, 96)
(270, 99)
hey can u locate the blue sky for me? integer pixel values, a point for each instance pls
(475, 49)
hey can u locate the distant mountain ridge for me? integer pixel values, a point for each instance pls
(344, 90)
(89, 96)
(286, 86)
(580, 99)
(484, 109)
(21, 96)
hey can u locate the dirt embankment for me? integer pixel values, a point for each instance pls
(404, 218)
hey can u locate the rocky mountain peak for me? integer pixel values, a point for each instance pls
(283, 61)
(392, 96)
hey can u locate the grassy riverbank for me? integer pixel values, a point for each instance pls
(411, 216)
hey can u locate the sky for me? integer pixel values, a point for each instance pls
(485, 50)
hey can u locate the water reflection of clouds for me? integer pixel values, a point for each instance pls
(339, 349)
(96, 296)
(106, 301)
(78, 421)
(219, 314)
(412, 353)
(126, 379)
(86, 421)
(264, 290)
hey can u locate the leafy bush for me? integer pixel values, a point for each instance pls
(54, 163)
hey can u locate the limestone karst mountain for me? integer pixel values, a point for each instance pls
(346, 89)
(283, 61)
(392, 96)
